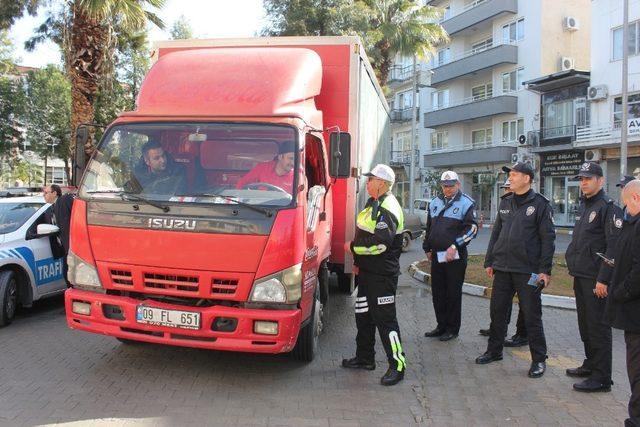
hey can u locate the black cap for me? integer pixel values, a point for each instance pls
(521, 167)
(287, 146)
(625, 180)
(590, 169)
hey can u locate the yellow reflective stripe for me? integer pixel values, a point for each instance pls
(396, 349)
(390, 203)
(364, 221)
(372, 250)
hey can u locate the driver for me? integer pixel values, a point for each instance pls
(157, 172)
(278, 172)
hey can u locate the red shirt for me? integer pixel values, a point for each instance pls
(266, 172)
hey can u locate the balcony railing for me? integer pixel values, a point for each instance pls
(469, 100)
(404, 157)
(597, 132)
(400, 74)
(471, 52)
(473, 146)
(403, 115)
(558, 132)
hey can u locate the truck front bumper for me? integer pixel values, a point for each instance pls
(242, 338)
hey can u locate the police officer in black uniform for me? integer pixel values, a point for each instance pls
(519, 258)
(376, 247)
(451, 225)
(598, 225)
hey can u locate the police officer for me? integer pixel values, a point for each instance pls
(376, 248)
(519, 258)
(598, 225)
(623, 303)
(451, 225)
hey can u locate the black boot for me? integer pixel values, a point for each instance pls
(392, 377)
(356, 363)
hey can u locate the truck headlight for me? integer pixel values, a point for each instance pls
(82, 274)
(284, 286)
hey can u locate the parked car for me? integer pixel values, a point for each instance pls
(421, 207)
(28, 270)
(415, 223)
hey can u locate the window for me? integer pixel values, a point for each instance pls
(513, 31)
(442, 57)
(633, 45)
(447, 14)
(56, 175)
(558, 119)
(405, 100)
(512, 81)
(633, 108)
(482, 45)
(481, 137)
(512, 129)
(482, 92)
(439, 140)
(440, 99)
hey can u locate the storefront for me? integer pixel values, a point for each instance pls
(557, 171)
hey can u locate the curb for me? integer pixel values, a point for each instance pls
(567, 303)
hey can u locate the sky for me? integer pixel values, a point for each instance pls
(208, 19)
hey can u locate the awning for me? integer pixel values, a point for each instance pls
(557, 81)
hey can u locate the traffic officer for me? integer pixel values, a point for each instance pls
(622, 310)
(519, 339)
(376, 247)
(598, 225)
(519, 259)
(451, 225)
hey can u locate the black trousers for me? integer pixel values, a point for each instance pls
(521, 329)
(505, 285)
(633, 370)
(594, 333)
(446, 289)
(376, 308)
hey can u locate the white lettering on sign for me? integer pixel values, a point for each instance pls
(386, 300)
(633, 126)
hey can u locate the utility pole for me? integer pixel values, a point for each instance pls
(625, 88)
(414, 113)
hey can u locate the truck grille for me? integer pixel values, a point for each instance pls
(223, 286)
(172, 282)
(121, 277)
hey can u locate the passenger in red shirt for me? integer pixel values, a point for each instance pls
(278, 172)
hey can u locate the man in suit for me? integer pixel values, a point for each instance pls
(59, 214)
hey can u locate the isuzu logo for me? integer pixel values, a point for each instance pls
(172, 224)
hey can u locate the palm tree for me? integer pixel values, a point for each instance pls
(403, 27)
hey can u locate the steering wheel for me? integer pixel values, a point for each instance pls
(271, 187)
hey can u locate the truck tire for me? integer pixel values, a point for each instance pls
(406, 241)
(307, 344)
(344, 282)
(8, 297)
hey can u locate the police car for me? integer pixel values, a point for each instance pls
(28, 270)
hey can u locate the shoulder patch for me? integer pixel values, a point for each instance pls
(592, 216)
(617, 221)
(530, 210)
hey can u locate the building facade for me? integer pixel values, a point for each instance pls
(477, 108)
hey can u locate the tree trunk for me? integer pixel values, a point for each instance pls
(385, 62)
(89, 44)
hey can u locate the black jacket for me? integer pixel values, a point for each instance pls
(377, 245)
(59, 213)
(623, 303)
(452, 223)
(170, 181)
(523, 237)
(598, 225)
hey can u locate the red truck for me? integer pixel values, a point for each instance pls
(171, 245)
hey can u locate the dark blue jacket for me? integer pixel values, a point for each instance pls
(450, 223)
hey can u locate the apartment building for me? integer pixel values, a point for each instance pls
(476, 107)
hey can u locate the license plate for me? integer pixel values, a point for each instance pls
(170, 318)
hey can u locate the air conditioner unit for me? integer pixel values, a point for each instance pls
(596, 93)
(592, 155)
(523, 140)
(567, 63)
(515, 158)
(570, 23)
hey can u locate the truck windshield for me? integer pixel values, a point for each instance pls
(212, 163)
(13, 215)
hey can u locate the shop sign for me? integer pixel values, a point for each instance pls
(565, 163)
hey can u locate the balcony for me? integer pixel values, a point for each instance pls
(468, 154)
(475, 60)
(479, 12)
(402, 116)
(398, 74)
(402, 158)
(472, 108)
(601, 135)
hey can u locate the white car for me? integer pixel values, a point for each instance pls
(28, 270)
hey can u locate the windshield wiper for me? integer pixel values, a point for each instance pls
(133, 197)
(264, 211)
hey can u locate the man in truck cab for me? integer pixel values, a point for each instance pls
(277, 172)
(157, 172)
(376, 247)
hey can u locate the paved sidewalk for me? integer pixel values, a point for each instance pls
(50, 374)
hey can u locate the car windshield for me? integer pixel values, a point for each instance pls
(13, 215)
(211, 163)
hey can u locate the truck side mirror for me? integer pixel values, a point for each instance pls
(82, 135)
(340, 156)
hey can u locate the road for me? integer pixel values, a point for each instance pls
(51, 374)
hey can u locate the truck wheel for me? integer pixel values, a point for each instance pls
(8, 297)
(307, 345)
(344, 282)
(406, 241)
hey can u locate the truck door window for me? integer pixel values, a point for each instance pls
(314, 161)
